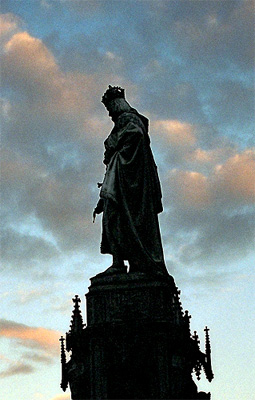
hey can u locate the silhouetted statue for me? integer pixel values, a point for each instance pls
(130, 196)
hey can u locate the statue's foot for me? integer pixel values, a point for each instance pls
(148, 269)
(134, 266)
(115, 269)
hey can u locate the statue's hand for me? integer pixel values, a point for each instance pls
(99, 208)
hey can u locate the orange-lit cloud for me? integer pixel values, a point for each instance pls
(8, 23)
(177, 133)
(237, 176)
(190, 188)
(201, 156)
(31, 51)
(65, 396)
(41, 338)
(231, 182)
(15, 169)
(29, 66)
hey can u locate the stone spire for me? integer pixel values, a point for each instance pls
(208, 364)
(76, 327)
(64, 381)
(76, 320)
(187, 318)
(198, 365)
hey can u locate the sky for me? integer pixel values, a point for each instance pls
(189, 67)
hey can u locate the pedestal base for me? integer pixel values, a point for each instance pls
(137, 342)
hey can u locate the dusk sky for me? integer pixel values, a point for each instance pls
(189, 67)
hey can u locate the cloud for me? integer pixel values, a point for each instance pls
(229, 184)
(232, 102)
(29, 67)
(173, 141)
(17, 369)
(235, 178)
(41, 338)
(174, 98)
(52, 135)
(210, 216)
(18, 249)
(173, 58)
(190, 188)
(9, 23)
(221, 242)
(45, 4)
(38, 358)
(176, 132)
(30, 53)
(202, 157)
(203, 238)
(61, 397)
(54, 126)
(83, 8)
(215, 39)
(43, 345)
(48, 106)
(52, 204)
(25, 296)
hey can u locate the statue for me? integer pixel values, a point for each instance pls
(130, 195)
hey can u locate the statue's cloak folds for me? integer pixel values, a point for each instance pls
(132, 195)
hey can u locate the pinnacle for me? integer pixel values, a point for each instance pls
(76, 320)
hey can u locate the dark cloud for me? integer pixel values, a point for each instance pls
(83, 8)
(194, 278)
(20, 250)
(17, 369)
(173, 99)
(209, 219)
(31, 337)
(59, 205)
(220, 241)
(216, 34)
(232, 103)
(38, 358)
(207, 238)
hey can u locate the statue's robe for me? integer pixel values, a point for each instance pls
(131, 195)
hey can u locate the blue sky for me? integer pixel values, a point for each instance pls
(189, 67)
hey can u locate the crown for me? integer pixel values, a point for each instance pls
(113, 92)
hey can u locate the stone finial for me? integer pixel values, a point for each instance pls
(207, 341)
(76, 320)
(187, 318)
(64, 380)
(208, 363)
(195, 337)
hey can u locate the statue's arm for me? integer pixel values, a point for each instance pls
(108, 155)
(129, 139)
(110, 147)
(99, 208)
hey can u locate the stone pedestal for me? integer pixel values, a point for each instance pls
(137, 342)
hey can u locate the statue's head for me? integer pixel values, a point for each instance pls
(115, 102)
